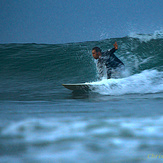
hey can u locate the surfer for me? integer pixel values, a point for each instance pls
(109, 60)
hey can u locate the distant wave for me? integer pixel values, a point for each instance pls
(43, 136)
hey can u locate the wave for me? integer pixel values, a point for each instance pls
(43, 65)
(91, 137)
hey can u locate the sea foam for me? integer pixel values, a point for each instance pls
(148, 81)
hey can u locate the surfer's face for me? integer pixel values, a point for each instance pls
(95, 54)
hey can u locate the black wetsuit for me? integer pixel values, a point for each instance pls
(110, 61)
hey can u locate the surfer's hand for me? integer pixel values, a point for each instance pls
(116, 45)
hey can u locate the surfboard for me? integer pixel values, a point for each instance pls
(78, 87)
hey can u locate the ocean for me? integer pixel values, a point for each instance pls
(121, 120)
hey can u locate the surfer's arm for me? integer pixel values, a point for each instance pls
(110, 52)
(114, 49)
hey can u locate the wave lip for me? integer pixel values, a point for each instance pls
(147, 37)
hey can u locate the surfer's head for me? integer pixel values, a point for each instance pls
(96, 52)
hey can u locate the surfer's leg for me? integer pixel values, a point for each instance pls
(119, 71)
(122, 68)
(108, 73)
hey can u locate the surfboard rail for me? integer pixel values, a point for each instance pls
(78, 87)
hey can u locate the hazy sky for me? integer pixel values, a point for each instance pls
(62, 21)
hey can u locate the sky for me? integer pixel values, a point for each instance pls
(64, 21)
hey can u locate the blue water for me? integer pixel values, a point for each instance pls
(120, 120)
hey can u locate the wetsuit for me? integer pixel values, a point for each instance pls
(110, 61)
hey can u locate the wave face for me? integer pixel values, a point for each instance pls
(44, 67)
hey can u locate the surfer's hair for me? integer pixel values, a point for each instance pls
(97, 49)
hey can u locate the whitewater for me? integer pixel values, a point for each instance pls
(120, 120)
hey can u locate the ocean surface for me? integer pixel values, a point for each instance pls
(120, 120)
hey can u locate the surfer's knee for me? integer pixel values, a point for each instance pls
(108, 74)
